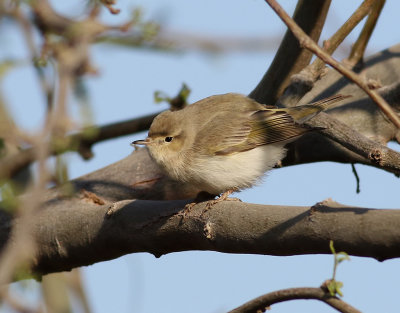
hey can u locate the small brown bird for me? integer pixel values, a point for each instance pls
(226, 143)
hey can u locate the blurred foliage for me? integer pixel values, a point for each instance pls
(8, 196)
(2, 148)
(141, 34)
(40, 61)
(6, 65)
(177, 102)
(82, 96)
(61, 170)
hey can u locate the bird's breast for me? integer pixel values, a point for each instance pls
(216, 174)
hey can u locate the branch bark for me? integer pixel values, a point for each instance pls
(99, 224)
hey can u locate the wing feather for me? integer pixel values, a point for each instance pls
(265, 127)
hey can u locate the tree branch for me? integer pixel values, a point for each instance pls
(261, 303)
(358, 49)
(291, 57)
(85, 228)
(302, 82)
(354, 145)
(109, 131)
(374, 152)
(81, 142)
(308, 43)
(332, 43)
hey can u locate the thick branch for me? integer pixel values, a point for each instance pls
(90, 235)
(95, 225)
(374, 153)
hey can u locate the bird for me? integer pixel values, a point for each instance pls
(226, 143)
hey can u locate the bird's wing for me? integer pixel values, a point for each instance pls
(272, 126)
(246, 131)
(223, 131)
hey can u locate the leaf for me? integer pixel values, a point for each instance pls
(184, 92)
(334, 287)
(339, 285)
(342, 256)
(179, 101)
(160, 96)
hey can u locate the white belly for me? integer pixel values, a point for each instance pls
(238, 171)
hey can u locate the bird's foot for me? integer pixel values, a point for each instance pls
(186, 210)
(222, 197)
(210, 203)
(201, 197)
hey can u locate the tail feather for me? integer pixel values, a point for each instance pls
(303, 113)
(327, 102)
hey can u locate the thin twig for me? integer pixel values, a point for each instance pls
(81, 142)
(108, 131)
(17, 304)
(332, 43)
(291, 57)
(308, 43)
(74, 280)
(26, 26)
(303, 81)
(357, 52)
(354, 171)
(262, 303)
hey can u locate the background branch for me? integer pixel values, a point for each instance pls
(332, 43)
(358, 49)
(261, 304)
(303, 82)
(291, 57)
(308, 43)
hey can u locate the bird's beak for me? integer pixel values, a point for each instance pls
(141, 142)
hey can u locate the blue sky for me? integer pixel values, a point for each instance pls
(211, 282)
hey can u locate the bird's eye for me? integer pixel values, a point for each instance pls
(168, 139)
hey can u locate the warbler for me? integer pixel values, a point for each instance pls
(226, 143)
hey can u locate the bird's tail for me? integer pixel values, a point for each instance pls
(303, 113)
